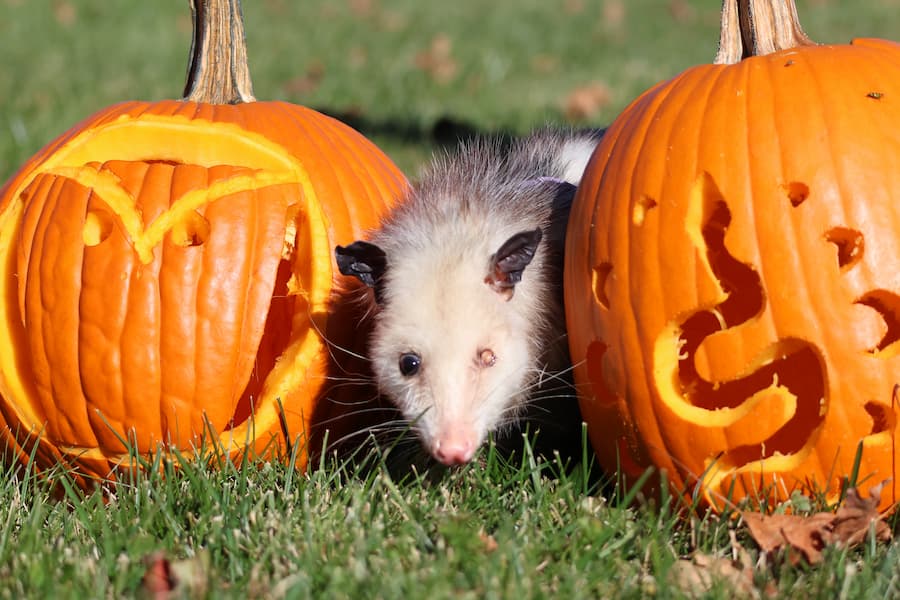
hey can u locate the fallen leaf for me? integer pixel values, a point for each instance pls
(308, 82)
(574, 7)
(65, 13)
(681, 10)
(185, 578)
(613, 13)
(586, 101)
(805, 537)
(362, 8)
(857, 515)
(158, 579)
(490, 544)
(438, 59)
(699, 575)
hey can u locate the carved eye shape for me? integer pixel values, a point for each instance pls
(409, 364)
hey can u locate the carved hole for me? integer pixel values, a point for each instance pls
(791, 363)
(599, 278)
(797, 192)
(644, 205)
(850, 245)
(193, 230)
(274, 341)
(883, 418)
(98, 224)
(887, 304)
(746, 297)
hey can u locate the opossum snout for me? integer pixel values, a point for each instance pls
(455, 446)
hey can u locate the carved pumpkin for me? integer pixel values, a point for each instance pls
(733, 269)
(166, 269)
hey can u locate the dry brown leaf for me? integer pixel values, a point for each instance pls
(613, 13)
(166, 578)
(490, 544)
(697, 576)
(681, 10)
(804, 537)
(438, 60)
(362, 8)
(856, 516)
(65, 13)
(308, 82)
(158, 579)
(807, 536)
(574, 7)
(586, 101)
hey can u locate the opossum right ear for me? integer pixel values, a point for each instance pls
(367, 262)
(509, 262)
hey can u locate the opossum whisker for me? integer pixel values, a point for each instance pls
(351, 415)
(399, 427)
(445, 287)
(343, 382)
(334, 346)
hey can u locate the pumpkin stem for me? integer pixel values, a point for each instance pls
(758, 27)
(218, 71)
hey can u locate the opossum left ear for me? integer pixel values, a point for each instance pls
(367, 262)
(509, 262)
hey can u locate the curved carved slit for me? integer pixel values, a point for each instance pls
(887, 304)
(794, 364)
(883, 417)
(643, 205)
(740, 281)
(599, 277)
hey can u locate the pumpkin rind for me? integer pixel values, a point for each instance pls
(732, 288)
(145, 292)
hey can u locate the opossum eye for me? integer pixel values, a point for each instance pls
(487, 358)
(409, 364)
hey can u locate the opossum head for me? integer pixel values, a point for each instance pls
(454, 344)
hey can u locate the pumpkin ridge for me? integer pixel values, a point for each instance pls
(683, 86)
(333, 139)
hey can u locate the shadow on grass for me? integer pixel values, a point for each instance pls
(444, 132)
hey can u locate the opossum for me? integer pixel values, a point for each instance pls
(466, 275)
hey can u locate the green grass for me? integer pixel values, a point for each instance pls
(496, 529)
(515, 61)
(266, 531)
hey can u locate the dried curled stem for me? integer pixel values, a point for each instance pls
(218, 72)
(758, 27)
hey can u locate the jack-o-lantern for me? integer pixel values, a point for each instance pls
(733, 270)
(166, 272)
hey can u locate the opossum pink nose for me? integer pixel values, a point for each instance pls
(455, 448)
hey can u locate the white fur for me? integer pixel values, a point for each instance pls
(573, 158)
(448, 318)
(434, 299)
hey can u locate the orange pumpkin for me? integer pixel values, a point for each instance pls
(732, 287)
(166, 269)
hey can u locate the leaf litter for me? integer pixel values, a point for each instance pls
(804, 537)
(797, 538)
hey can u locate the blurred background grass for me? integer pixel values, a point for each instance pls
(410, 74)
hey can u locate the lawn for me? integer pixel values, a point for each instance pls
(413, 76)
